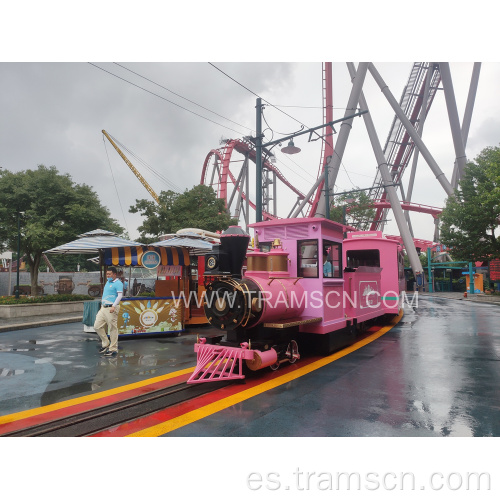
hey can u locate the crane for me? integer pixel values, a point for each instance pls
(136, 172)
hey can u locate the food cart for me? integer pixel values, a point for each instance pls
(176, 296)
(165, 311)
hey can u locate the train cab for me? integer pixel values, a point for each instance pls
(314, 248)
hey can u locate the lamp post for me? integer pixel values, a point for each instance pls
(290, 149)
(258, 161)
(18, 251)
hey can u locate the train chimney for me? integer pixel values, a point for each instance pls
(227, 258)
(234, 242)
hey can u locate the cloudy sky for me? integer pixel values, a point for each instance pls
(170, 115)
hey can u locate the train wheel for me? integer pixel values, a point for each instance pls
(275, 366)
(292, 352)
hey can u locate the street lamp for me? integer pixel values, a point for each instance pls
(290, 149)
(18, 250)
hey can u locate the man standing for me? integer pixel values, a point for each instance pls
(108, 314)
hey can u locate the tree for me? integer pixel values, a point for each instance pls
(355, 208)
(471, 217)
(53, 210)
(198, 207)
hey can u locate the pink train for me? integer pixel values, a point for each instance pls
(304, 287)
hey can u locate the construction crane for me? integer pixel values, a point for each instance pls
(136, 172)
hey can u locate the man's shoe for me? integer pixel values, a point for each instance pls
(110, 354)
(102, 350)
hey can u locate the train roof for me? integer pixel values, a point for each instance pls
(302, 220)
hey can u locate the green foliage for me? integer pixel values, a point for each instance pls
(56, 211)
(198, 207)
(422, 257)
(471, 217)
(11, 301)
(357, 211)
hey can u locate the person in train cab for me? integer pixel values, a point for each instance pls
(327, 266)
(108, 314)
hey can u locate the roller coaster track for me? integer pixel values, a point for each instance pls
(399, 147)
(327, 144)
(222, 174)
(383, 204)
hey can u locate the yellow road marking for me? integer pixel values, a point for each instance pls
(210, 409)
(13, 417)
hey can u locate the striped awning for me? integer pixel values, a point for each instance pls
(132, 256)
(196, 246)
(92, 242)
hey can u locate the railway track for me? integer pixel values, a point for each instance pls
(99, 419)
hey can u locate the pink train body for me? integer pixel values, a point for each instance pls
(304, 286)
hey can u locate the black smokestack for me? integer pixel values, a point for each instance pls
(234, 242)
(228, 257)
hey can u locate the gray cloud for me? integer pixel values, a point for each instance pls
(53, 113)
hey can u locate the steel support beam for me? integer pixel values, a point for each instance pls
(387, 180)
(344, 132)
(467, 115)
(451, 105)
(411, 131)
(308, 196)
(237, 185)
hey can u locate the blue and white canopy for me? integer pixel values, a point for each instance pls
(92, 242)
(196, 245)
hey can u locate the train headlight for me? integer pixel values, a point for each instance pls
(211, 262)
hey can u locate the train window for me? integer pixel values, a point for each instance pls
(307, 262)
(332, 259)
(357, 258)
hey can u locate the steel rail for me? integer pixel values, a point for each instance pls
(99, 419)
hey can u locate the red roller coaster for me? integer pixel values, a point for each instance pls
(401, 145)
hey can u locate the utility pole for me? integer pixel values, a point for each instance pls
(258, 161)
(18, 251)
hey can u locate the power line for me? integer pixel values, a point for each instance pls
(182, 97)
(266, 101)
(165, 99)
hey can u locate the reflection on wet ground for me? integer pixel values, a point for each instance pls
(437, 373)
(46, 365)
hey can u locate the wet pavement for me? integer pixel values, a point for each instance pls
(437, 373)
(41, 366)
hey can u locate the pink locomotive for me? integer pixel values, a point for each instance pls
(304, 286)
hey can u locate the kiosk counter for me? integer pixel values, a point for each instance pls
(166, 312)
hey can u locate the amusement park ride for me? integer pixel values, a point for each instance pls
(403, 145)
(265, 311)
(390, 189)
